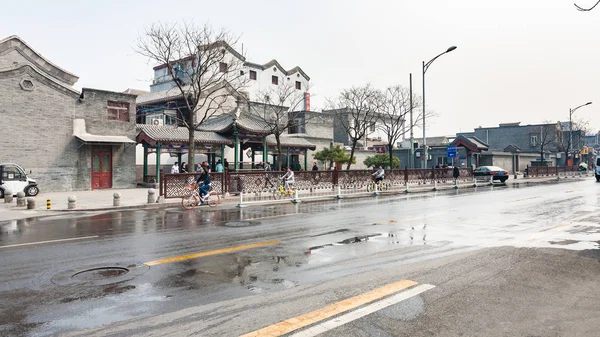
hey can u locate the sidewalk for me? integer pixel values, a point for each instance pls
(87, 201)
(137, 198)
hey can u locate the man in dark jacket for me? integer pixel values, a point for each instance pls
(455, 173)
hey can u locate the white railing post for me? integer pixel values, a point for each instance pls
(338, 191)
(296, 199)
(376, 191)
(241, 204)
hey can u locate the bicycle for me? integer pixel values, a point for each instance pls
(381, 186)
(281, 191)
(193, 199)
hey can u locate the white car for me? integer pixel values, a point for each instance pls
(14, 178)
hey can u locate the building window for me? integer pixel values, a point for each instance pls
(372, 127)
(252, 75)
(298, 85)
(534, 140)
(223, 67)
(274, 80)
(118, 111)
(241, 73)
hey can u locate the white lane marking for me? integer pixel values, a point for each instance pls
(361, 312)
(50, 241)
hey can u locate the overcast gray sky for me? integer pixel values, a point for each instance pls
(517, 60)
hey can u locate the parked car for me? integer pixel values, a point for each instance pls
(14, 178)
(597, 170)
(496, 172)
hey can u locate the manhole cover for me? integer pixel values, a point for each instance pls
(100, 275)
(241, 223)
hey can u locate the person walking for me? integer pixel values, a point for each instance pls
(219, 168)
(226, 164)
(315, 167)
(455, 173)
(175, 168)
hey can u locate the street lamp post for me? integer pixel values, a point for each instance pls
(425, 67)
(571, 111)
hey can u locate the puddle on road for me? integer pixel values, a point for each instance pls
(332, 232)
(564, 242)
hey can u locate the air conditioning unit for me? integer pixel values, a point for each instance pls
(157, 122)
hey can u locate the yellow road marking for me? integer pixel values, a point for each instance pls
(526, 199)
(313, 317)
(558, 227)
(211, 252)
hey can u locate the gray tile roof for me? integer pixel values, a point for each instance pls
(224, 122)
(159, 96)
(472, 141)
(161, 133)
(478, 142)
(291, 142)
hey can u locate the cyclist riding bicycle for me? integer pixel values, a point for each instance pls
(205, 178)
(378, 175)
(288, 179)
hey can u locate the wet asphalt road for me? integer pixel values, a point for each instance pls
(504, 261)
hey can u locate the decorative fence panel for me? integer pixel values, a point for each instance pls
(173, 185)
(545, 171)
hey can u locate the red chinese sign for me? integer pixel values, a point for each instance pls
(307, 101)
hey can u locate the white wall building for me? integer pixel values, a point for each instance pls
(156, 107)
(260, 79)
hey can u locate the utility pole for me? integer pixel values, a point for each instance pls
(412, 150)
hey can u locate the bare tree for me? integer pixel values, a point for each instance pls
(356, 110)
(587, 9)
(395, 115)
(580, 128)
(203, 66)
(549, 135)
(279, 109)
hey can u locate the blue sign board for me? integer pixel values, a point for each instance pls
(451, 151)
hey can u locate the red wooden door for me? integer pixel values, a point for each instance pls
(101, 168)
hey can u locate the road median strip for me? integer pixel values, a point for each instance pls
(319, 315)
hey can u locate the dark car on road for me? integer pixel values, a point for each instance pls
(496, 172)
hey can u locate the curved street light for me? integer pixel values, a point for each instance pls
(586, 9)
(571, 111)
(425, 67)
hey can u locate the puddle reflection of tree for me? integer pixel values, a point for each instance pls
(249, 271)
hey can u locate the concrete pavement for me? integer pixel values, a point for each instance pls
(228, 271)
